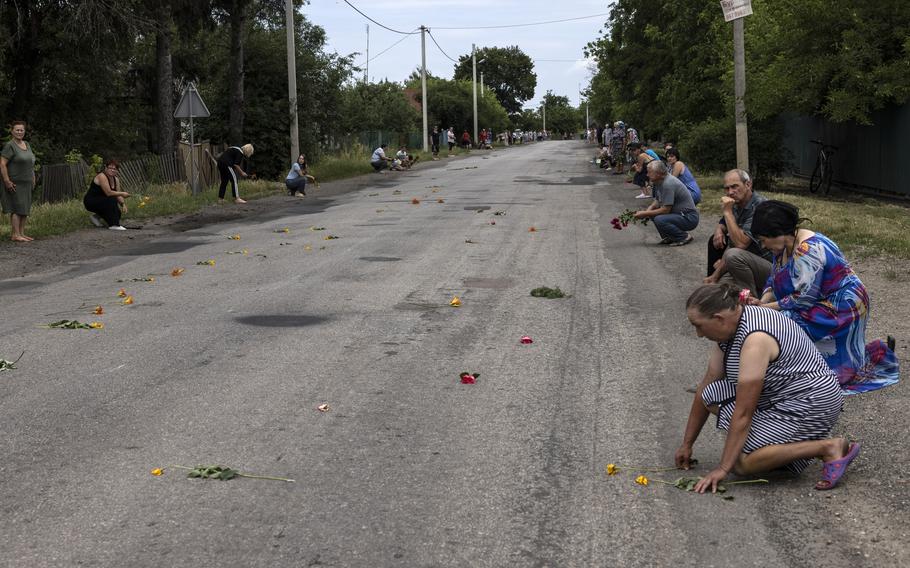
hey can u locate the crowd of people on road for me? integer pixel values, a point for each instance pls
(785, 308)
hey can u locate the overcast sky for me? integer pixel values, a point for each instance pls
(346, 30)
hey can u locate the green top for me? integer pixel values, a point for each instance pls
(20, 163)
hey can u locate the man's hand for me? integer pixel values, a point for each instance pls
(639, 215)
(683, 457)
(710, 481)
(719, 237)
(727, 203)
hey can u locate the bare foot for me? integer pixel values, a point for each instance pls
(239, 201)
(18, 239)
(28, 238)
(835, 449)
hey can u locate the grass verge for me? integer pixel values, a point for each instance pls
(861, 227)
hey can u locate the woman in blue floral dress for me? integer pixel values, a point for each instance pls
(813, 284)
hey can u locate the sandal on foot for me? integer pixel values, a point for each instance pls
(832, 471)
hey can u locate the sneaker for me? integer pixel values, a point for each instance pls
(239, 201)
(665, 241)
(891, 343)
(642, 195)
(96, 220)
(685, 241)
(117, 228)
(300, 194)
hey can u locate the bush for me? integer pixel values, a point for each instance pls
(711, 146)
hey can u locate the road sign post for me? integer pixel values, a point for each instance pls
(192, 106)
(735, 11)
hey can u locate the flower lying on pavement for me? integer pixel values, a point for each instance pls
(157, 471)
(223, 473)
(456, 302)
(177, 272)
(440, 200)
(546, 292)
(468, 378)
(323, 408)
(128, 301)
(612, 469)
(415, 201)
(10, 365)
(532, 229)
(209, 262)
(121, 293)
(641, 480)
(234, 237)
(330, 238)
(317, 228)
(73, 324)
(98, 311)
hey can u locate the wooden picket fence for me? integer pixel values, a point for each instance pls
(60, 182)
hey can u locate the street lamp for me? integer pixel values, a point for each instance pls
(474, 63)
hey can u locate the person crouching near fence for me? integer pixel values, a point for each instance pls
(296, 178)
(771, 390)
(104, 200)
(229, 167)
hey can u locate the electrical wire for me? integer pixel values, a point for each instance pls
(383, 51)
(356, 9)
(440, 48)
(525, 25)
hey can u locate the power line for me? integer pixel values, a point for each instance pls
(384, 50)
(526, 25)
(375, 22)
(438, 46)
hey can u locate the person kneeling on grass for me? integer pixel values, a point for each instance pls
(769, 387)
(672, 210)
(104, 201)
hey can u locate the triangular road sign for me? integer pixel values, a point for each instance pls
(191, 104)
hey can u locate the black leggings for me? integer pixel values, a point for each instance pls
(105, 207)
(228, 175)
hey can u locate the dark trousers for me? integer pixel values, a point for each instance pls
(105, 207)
(228, 176)
(295, 185)
(714, 254)
(434, 146)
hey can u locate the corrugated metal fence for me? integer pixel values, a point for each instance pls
(868, 157)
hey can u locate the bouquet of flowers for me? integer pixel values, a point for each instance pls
(626, 217)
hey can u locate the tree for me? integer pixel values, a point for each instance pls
(507, 71)
(561, 116)
(377, 106)
(451, 105)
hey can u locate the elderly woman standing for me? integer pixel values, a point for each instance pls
(813, 284)
(769, 387)
(17, 168)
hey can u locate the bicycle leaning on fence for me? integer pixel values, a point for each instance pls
(824, 168)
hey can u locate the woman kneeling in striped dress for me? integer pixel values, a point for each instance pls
(770, 389)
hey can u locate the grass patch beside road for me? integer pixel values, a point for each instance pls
(861, 227)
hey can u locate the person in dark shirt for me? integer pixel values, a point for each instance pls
(229, 166)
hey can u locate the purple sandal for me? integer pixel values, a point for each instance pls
(832, 471)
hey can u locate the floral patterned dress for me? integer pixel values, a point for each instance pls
(818, 290)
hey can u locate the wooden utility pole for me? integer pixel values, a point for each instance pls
(292, 80)
(735, 11)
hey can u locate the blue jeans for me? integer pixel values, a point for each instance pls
(673, 226)
(295, 185)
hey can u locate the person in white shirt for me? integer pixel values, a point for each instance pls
(380, 161)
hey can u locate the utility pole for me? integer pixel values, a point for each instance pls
(545, 117)
(735, 11)
(366, 70)
(481, 84)
(474, 89)
(423, 85)
(739, 90)
(292, 80)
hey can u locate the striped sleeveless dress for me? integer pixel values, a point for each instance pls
(800, 399)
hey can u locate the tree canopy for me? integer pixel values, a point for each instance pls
(507, 71)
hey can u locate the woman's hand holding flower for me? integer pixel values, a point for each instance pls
(683, 457)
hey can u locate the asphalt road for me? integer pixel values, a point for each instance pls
(227, 364)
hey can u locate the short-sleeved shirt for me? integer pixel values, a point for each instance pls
(743, 216)
(652, 153)
(233, 156)
(295, 172)
(401, 155)
(20, 163)
(378, 155)
(674, 193)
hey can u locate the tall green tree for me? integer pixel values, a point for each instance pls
(562, 117)
(507, 71)
(377, 106)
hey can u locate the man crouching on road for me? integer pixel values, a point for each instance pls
(734, 255)
(673, 209)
